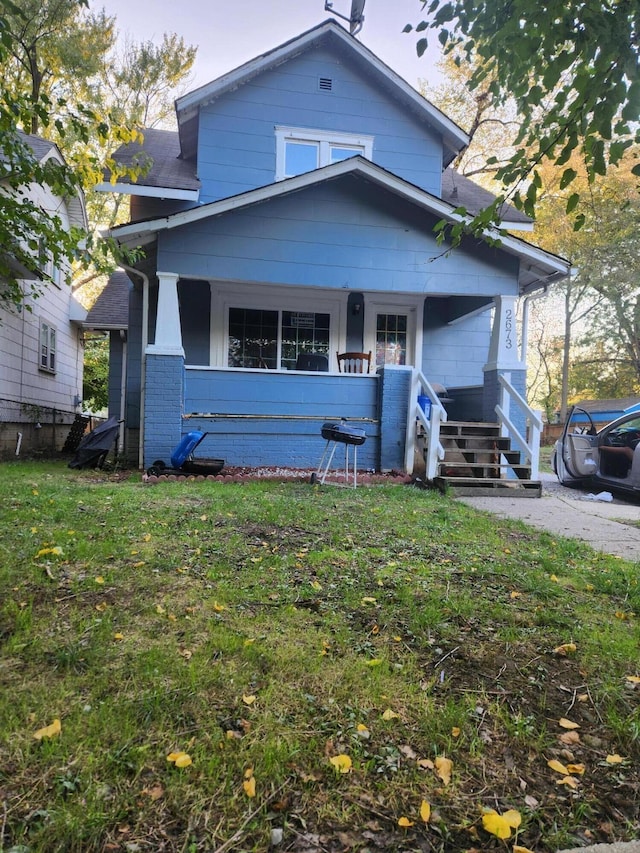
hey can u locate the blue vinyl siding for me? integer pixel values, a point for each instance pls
(257, 418)
(344, 234)
(237, 147)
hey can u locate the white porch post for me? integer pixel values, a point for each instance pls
(503, 349)
(168, 339)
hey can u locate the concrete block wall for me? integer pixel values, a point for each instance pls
(163, 406)
(395, 386)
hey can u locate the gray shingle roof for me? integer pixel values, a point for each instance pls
(463, 192)
(160, 153)
(111, 308)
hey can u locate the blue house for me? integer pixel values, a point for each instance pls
(292, 213)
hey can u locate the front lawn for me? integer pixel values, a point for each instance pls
(241, 665)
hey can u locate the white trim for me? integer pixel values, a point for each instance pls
(325, 139)
(188, 104)
(279, 299)
(402, 304)
(148, 192)
(552, 267)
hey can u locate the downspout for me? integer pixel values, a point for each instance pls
(143, 355)
(123, 391)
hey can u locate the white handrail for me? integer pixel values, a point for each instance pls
(530, 449)
(420, 385)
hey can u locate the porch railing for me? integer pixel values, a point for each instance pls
(420, 386)
(530, 449)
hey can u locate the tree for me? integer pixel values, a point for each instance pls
(573, 69)
(96, 374)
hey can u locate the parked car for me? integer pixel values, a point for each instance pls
(599, 459)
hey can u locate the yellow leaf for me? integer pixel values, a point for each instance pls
(49, 731)
(99, 579)
(218, 607)
(389, 715)
(249, 642)
(342, 763)
(404, 821)
(444, 766)
(118, 636)
(455, 731)
(589, 587)
(203, 518)
(554, 578)
(101, 607)
(633, 679)
(559, 768)
(249, 786)
(147, 537)
(248, 700)
(425, 811)
(571, 781)
(183, 760)
(361, 728)
(614, 759)
(513, 818)
(515, 594)
(496, 824)
(567, 724)
(368, 600)
(316, 585)
(397, 639)
(518, 849)
(160, 609)
(565, 649)
(425, 763)
(248, 773)
(374, 662)
(576, 769)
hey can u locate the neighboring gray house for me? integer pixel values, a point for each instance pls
(41, 349)
(293, 212)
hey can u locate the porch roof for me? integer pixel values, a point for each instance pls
(538, 268)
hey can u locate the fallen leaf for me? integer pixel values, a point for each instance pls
(425, 763)
(565, 649)
(515, 594)
(404, 821)
(101, 607)
(118, 636)
(155, 792)
(342, 763)
(444, 766)
(496, 824)
(576, 769)
(147, 537)
(567, 724)
(316, 585)
(571, 781)
(425, 811)
(248, 700)
(553, 578)
(361, 728)
(218, 607)
(614, 759)
(558, 767)
(518, 849)
(368, 600)
(160, 609)
(633, 679)
(389, 715)
(99, 579)
(374, 662)
(455, 731)
(249, 786)
(49, 731)
(569, 738)
(183, 760)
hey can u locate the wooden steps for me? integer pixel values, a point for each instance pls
(479, 461)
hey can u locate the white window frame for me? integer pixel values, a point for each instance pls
(285, 300)
(413, 308)
(48, 339)
(324, 139)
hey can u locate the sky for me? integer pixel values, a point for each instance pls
(231, 32)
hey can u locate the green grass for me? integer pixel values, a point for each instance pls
(263, 625)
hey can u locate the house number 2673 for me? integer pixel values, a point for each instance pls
(508, 325)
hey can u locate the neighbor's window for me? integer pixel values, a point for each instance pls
(301, 150)
(47, 347)
(391, 339)
(273, 339)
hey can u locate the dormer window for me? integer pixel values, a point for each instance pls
(303, 150)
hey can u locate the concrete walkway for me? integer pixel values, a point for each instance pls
(607, 527)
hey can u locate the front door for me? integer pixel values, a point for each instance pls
(390, 333)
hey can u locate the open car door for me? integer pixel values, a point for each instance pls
(576, 455)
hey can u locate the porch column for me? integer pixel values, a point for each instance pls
(504, 356)
(168, 339)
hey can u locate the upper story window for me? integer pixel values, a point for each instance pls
(301, 150)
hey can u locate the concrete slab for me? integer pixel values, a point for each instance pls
(607, 527)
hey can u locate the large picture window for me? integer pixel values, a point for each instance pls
(273, 339)
(300, 150)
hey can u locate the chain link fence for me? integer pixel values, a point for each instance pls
(29, 429)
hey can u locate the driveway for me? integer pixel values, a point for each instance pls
(607, 527)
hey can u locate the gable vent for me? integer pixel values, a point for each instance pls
(325, 84)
